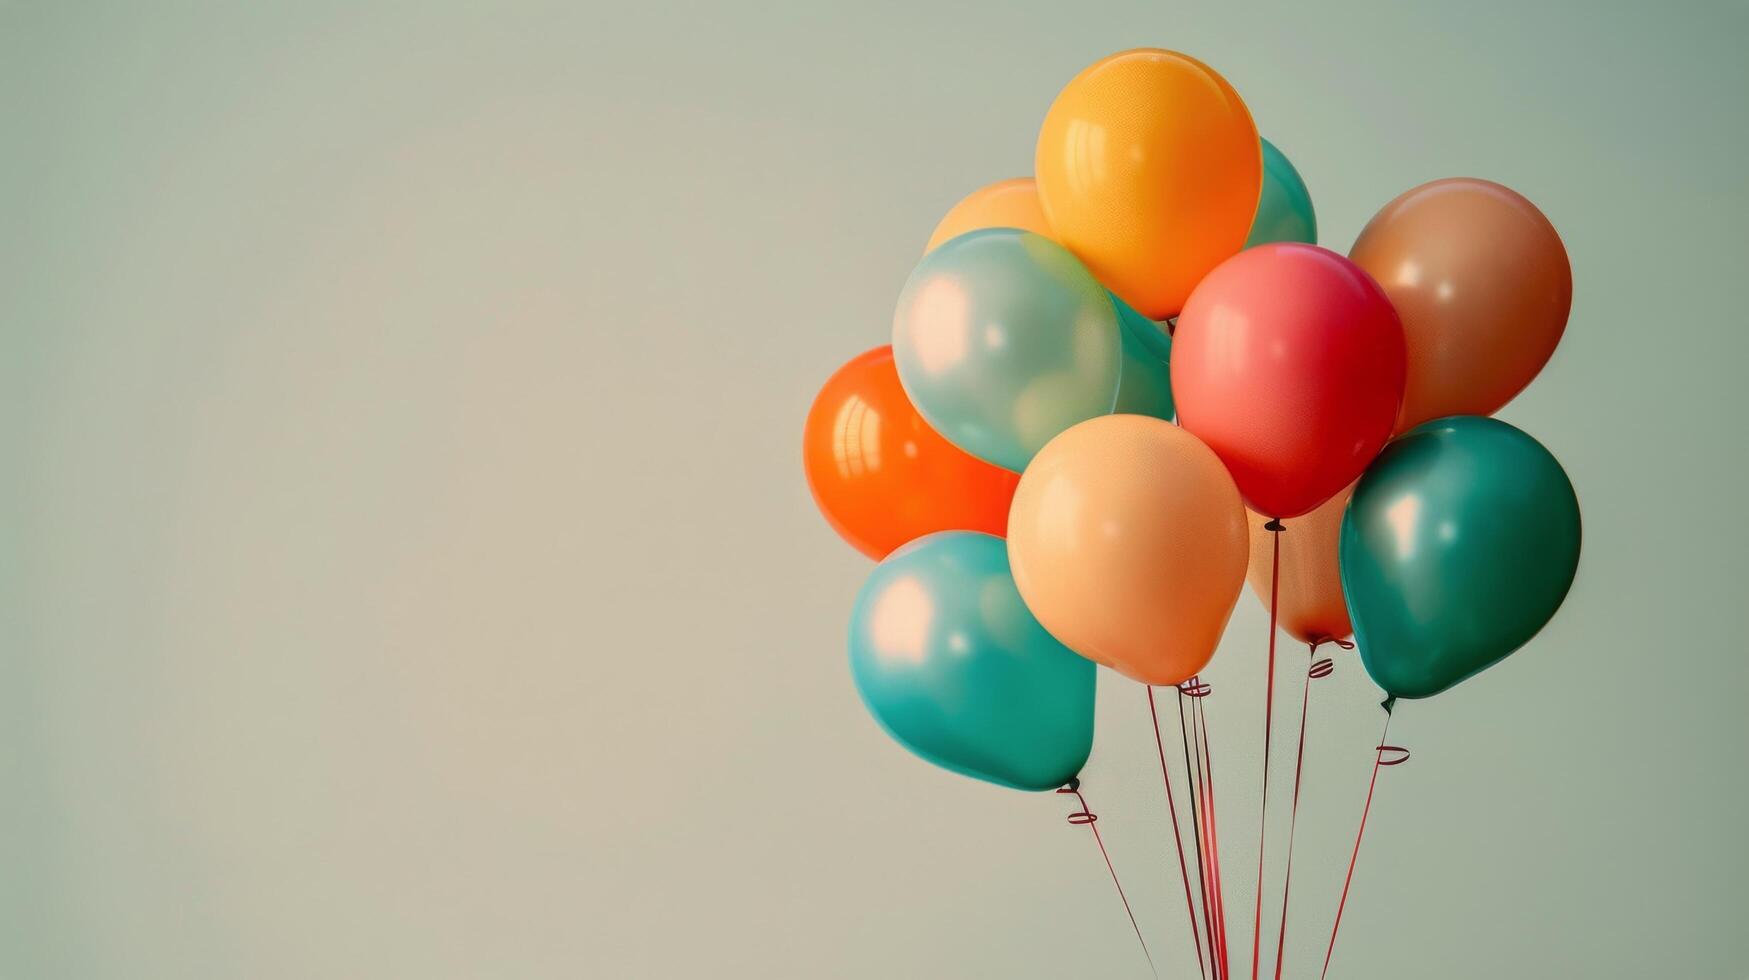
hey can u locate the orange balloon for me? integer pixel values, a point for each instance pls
(1127, 540)
(1482, 284)
(1309, 603)
(1149, 168)
(1004, 204)
(881, 475)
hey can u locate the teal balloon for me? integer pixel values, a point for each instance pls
(1459, 544)
(950, 662)
(1002, 340)
(1145, 384)
(1284, 210)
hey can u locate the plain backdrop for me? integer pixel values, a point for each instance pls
(406, 568)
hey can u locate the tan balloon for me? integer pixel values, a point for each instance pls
(1127, 541)
(1309, 603)
(1482, 284)
(1004, 204)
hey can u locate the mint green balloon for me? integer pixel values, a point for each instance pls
(1145, 384)
(1284, 211)
(1002, 340)
(1459, 544)
(950, 662)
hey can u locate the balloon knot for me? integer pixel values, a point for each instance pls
(1084, 817)
(1274, 525)
(1388, 703)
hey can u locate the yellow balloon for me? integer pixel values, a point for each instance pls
(1005, 204)
(1149, 168)
(1127, 540)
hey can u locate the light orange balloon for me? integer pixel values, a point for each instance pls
(1004, 204)
(1483, 286)
(1127, 540)
(1309, 603)
(1149, 169)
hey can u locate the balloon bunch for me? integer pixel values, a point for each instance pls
(1118, 388)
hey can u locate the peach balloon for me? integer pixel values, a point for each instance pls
(1309, 603)
(1149, 169)
(1127, 541)
(1483, 286)
(1004, 204)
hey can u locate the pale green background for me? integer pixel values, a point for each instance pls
(407, 570)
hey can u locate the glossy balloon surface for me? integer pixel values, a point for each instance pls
(1149, 169)
(950, 662)
(1288, 363)
(1284, 210)
(1004, 204)
(1003, 339)
(1459, 545)
(1482, 284)
(1128, 543)
(881, 475)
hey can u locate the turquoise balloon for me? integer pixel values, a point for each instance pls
(1284, 211)
(1002, 340)
(1459, 544)
(1145, 384)
(954, 667)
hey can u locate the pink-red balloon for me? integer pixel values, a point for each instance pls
(1288, 361)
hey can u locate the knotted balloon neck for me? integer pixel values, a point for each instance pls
(1082, 816)
(1275, 525)
(1322, 667)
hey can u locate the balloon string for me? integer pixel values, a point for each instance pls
(1400, 756)
(1214, 841)
(1274, 527)
(1085, 817)
(1318, 668)
(1177, 835)
(1195, 688)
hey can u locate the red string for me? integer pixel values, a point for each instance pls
(1177, 839)
(1214, 842)
(1318, 668)
(1401, 756)
(1194, 689)
(1085, 817)
(1274, 528)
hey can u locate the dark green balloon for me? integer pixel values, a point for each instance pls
(1458, 546)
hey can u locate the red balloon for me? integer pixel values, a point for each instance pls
(1288, 361)
(882, 476)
